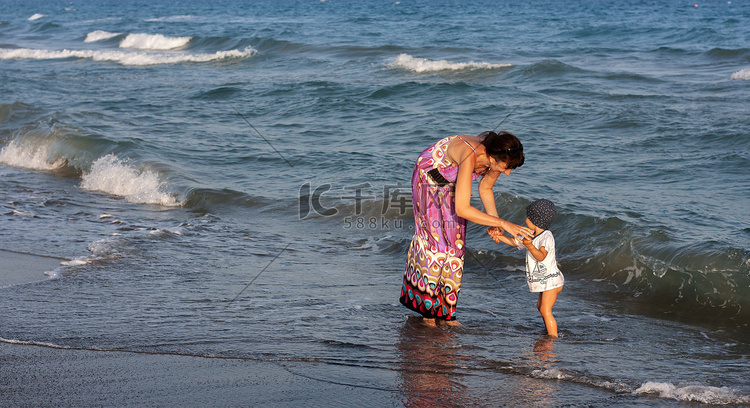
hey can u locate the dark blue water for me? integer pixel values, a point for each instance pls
(231, 179)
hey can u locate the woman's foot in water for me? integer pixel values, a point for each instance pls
(449, 323)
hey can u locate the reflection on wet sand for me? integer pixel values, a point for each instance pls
(544, 352)
(429, 359)
(533, 390)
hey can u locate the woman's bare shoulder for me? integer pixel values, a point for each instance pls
(472, 138)
(459, 150)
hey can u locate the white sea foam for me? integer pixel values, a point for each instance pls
(113, 176)
(124, 57)
(74, 262)
(741, 74)
(22, 214)
(36, 16)
(423, 65)
(153, 42)
(697, 393)
(28, 343)
(99, 35)
(101, 250)
(30, 157)
(551, 374)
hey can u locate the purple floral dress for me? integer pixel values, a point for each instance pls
(435, 262)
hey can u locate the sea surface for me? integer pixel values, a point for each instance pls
(231, 179)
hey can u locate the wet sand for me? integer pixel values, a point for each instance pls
(41, 376)
(18, 267)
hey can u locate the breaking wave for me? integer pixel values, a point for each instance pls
(135, 58)
(100, 35)
(425, 66)
(154, 42)
(30, 157)
(117, 177)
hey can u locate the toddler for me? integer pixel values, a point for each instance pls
(542, 273)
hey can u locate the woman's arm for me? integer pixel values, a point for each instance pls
(486, 194)
(463, 193)
(463, 205)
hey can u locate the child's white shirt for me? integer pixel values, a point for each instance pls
(542, 275)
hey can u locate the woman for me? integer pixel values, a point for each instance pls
(441, 194)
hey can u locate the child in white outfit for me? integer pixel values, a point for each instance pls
(542, 273)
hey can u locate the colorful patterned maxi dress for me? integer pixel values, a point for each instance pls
(435, 262)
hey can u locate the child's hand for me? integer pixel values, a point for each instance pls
(495, 233)
(527, 243)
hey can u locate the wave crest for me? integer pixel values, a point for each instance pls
(124, 57)
(113, 176)
(99, 35)
(423, 65)
(154, 42)
(30, 157)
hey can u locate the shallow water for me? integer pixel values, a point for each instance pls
(231, 179)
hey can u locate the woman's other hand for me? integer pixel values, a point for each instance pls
(518, 231)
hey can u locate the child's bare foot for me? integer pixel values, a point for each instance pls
(429, 322)
(450, 323)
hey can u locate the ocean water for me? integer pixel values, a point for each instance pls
(231, 179)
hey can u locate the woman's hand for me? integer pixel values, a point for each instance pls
(495, 233)
(518, 231)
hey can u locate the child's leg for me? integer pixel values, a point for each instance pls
(544, 305)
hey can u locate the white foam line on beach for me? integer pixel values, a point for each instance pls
(688, 393)
(694, 393)
(122, 350)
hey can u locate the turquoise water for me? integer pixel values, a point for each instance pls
(230, 179)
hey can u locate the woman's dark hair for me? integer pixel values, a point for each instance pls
(503, 147)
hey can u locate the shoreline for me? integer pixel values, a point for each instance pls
(73, 376)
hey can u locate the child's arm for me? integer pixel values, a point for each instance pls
(507, 239)
(538, 253)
